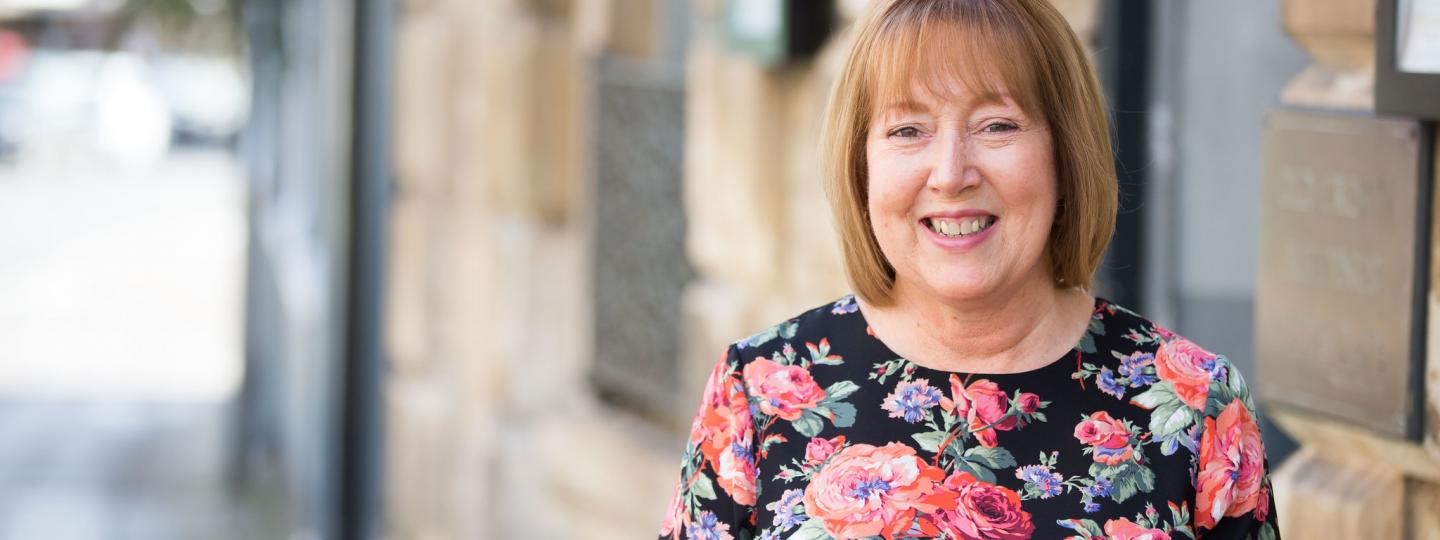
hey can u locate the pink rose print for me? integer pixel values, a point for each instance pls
(1232, 467)
(1188, 367)
(820, 449)
(1262, 505)
(983, 511)
(1124, 529)
(1108, 439)
(722, 431)
(1028, 403)
(736, 473)
(674, 515)
(784, 391)
(866, 490)
(985, 406)
(959, 405)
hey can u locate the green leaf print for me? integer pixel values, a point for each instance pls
(702, 487)
(809, 424)
(786, 330)
(811, 529)
(839, 391)
(1130, 478)
(1171, 418)
(1087, 526)
(820, 354)
(1181, 520)
(994, 458)
(842, 414)
(930, 440)
(981, 473)
(1267, 532)
(1158, 394)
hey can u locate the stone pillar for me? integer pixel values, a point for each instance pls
(485, 298)
(1347, 482)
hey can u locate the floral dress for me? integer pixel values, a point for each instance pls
(814, 429)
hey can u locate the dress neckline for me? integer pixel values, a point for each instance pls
(1073, 352)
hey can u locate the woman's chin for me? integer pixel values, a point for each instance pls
(963, 290)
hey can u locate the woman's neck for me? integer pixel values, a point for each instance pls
(1004, 333)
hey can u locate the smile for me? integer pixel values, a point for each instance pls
(960, 228)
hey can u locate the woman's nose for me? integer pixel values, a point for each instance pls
(954, 169)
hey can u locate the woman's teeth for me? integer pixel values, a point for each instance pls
(960, 227)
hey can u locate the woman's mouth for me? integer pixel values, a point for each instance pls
(960, 227)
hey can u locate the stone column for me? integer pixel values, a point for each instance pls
(486, 302)
(1347, 482)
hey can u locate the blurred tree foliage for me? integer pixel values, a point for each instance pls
(193, 25)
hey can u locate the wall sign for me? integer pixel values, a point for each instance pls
(1344, 265)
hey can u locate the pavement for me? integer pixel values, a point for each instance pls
(120, 351)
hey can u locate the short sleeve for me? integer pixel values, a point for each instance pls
(714, 497)
(1233, 495)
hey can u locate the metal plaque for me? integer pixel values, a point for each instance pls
(1344, 254)
(639, 268)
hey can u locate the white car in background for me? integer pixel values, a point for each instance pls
(118, 108)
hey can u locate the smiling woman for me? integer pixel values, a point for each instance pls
(972, 387)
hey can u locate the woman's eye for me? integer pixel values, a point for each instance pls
(1000, 127)
(905, 132)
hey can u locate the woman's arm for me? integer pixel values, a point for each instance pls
(1233, 497)
(715, 494)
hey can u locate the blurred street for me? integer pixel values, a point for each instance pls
(120, 323)
(118, 470)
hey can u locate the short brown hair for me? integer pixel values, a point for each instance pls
(1044, 68)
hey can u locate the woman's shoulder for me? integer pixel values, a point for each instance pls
(1119, 328)
(810, 326)
(1125, 345)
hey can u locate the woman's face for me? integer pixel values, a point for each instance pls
(962, 193)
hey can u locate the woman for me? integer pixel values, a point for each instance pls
(971, 387)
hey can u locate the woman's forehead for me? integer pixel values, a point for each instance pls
(935, 98)
(921, 99)
(956, 62)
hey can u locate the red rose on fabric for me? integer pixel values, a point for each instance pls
(820, 449)
(736, 472)
(784, 391)
(1186, 366)
(983, 405)
(1124, 529)
(723, 433)
(983, 511)
(989, 403)
(1232, 467)
(866, 490)
(1028, 403)
(959, 405)
(1262, 505)
(1108, 438)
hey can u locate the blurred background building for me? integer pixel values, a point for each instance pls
(458, 268)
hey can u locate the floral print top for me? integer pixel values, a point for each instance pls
(814, 429)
